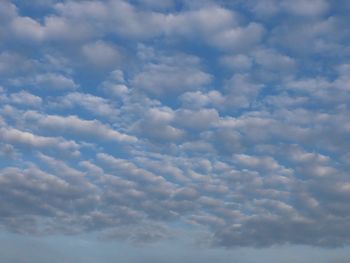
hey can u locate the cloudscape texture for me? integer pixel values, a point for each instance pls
(141, 120)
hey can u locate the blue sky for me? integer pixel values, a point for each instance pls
(195, 131)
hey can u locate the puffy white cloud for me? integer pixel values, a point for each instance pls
(25, 98)
(23, 138)
(77, 126)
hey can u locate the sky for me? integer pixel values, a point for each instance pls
(174, 131)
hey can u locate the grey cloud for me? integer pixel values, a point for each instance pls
(307, 8)
(314, 36)
(12, 63)
(25, 211)
(172, 75)
(299, 7)
(197, 120)
(237, 62)
(156, 125)
(101, 54)
(27, 28)
(240, 38)
(54, 81)
(128, 168)
(8, 11)
(241, 91)
(7, 151)
(272, 60)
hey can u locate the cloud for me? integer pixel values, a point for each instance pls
(198, 120)
(54, 81)
(136, 120)
(12, 63)
(298, 8)
(75, 125)
(240, 38)
(101, 54)
(22, 138)
(95, 105)
(172, 75)
(27, 29)
(241, 91)
(25, 98)
(8, 10)
(156, 126)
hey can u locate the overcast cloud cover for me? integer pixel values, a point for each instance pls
(225, 123)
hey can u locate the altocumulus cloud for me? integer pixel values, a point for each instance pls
(137, 120)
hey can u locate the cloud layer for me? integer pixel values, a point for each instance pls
(140, 119)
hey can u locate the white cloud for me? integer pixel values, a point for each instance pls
(25, 98)
(18, 137)
(80, 127)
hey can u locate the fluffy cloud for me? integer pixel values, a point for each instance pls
(18, 137)
(75, 125)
